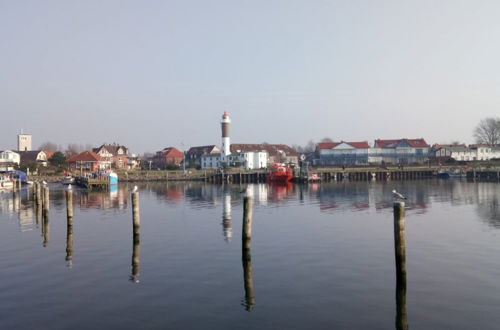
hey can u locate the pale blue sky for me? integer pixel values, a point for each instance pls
(151, 74)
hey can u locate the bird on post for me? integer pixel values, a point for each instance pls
(70, 187)
(135, 189)
(398, 195)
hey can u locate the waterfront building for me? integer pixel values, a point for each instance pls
(24, 142)
(168, 156)
(34, 156)
(88, 161)
(342, 153)
(9, 160)
(116, 154)
(194, 154)
(276, 153)
(399, 151)
(461, 152)
(250, 160)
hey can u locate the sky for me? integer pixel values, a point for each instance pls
(153, 74)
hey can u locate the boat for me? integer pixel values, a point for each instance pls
(6, 182)
(68, 180)
(280, 172)
(456, 173)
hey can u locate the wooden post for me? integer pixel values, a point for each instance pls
(246, 256)
(247, 219)
(136, 249)
(45, 216)
(400, 256)
(69, 227)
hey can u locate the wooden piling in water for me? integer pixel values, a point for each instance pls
(246, 253)
(247, 220)
(136, 229)
(400, 258)
(45, 215)
(69, 227)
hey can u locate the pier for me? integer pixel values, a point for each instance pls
(89, 183)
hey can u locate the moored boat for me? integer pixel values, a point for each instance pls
(68, 180)
(6, 182)
(280, 173)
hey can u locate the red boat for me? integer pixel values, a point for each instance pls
(280, 173)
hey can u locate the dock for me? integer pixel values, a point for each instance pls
(93, 184)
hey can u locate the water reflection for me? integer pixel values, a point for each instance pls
(227, 225)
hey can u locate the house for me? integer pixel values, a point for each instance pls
(116, 154)
(88, 161)
(194, 154)
(133, 162)
(399, 151)
(277, 153)
(342, 153)
(444, 152)
(168, 156)
(249, 160)
(33, 156)
(9, 160)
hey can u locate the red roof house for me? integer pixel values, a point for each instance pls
(88, 161)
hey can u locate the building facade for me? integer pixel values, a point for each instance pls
(342, 153)
(168, 156)
(24, 142)
(88, 161)
(194, 155)
(9, 160)
(116, 154)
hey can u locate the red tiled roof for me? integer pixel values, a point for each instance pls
(415, 143)
(171, 150)
(330, 145)
(86, 156)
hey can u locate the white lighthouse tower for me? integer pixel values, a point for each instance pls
(226, 142)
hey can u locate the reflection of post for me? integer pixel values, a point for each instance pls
(38, 202)
(69, 227)
(136, 251)
(226, 218)
(400, 254)
(246, 254)
(45, 216)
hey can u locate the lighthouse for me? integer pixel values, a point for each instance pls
(226, 142)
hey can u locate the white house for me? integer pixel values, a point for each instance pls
(473, 152)
(8, 159)
(250, 160)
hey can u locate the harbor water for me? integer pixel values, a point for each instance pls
(321, 256)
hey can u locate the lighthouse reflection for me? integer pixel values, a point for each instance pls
(227, 225)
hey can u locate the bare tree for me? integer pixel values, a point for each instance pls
(310, 146)
(73, 149)
(326, 139)
(48, 146)
(488, 131)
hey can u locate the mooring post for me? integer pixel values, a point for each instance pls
(69, 227)
(246, 253)
(136, 249)
(400, 257)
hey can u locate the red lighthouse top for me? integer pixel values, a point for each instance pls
(225, 114)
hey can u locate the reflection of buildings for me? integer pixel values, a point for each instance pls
(363, 196)
(116, 198)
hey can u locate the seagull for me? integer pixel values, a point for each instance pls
(44, 182)
(69, 187)
(398, 195)
(135, 189)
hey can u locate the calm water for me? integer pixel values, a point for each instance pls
(322, 257)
